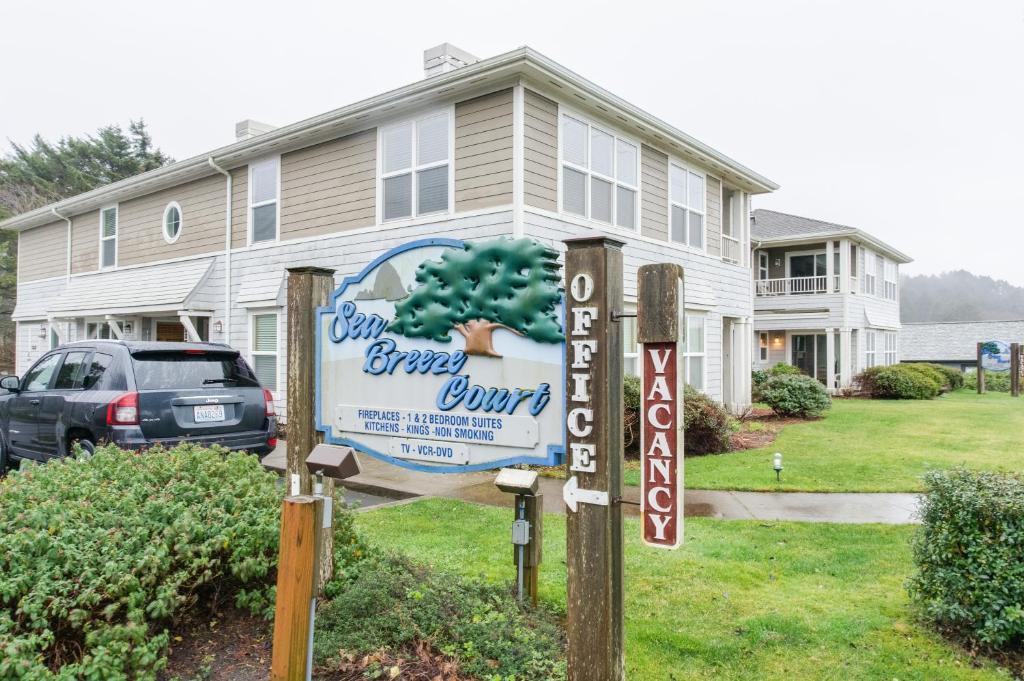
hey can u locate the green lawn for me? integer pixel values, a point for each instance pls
(740, 600)
(874, 446)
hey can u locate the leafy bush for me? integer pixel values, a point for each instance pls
(98, 554)
(954, 378)
(800, 396)
(901, 382)
(995, 381)
(969, 554)
(759, 377)
(391, 603)
(708, 426)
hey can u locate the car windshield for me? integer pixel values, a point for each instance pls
(174, 370)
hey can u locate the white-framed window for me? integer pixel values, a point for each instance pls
(686, 206)
(172, 222)
(263, 347)
(869, 274)
(695, 356)
(630, 347)
(415, 166)
(54, 338)
(762, 265)
(600, 174)
(108, 237)
(264, 199)
(891, 354)
(869, 349)
(889, 280)
(762, 345)
(95, 330)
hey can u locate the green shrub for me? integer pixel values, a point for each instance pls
(995, 381)
(708, 426)
(969, 555)
(801, 396)
(901, 382)
(391, 603)
(930, 373)
(759, 377)
(954, 378)
(97, 555)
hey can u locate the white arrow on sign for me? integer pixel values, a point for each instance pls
(572, 494)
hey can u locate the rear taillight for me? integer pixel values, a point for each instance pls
(268, 400)
(271, 442)
(124, 411)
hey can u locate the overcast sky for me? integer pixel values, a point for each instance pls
(904, 118)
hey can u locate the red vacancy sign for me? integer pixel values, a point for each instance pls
(661, 451)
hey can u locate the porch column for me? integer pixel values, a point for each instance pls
(845, 358)
(829, 267)
(844, 267)
(830, 358)
(744, 364)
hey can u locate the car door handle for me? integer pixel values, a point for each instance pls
(34, 403)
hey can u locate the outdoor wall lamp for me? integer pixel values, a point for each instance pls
(218, 327)
(777, 465)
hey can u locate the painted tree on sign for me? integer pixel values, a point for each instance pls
(499, 284)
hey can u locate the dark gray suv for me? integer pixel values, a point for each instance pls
(136, 395)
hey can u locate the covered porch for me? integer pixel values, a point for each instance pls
(826, 354)
(806, 267)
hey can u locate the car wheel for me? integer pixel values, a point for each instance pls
(87, 445)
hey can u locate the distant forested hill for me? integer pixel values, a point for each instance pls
(959, 297)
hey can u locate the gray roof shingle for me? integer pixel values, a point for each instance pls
(769, 224)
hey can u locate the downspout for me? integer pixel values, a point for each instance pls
(227, 251)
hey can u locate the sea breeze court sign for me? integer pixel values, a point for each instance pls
(446, 356)
(995, 356)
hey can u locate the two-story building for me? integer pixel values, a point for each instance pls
(826, 297)
(515, 145)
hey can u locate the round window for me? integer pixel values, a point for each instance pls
(172, 222)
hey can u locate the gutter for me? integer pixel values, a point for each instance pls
(227, 249)
(68, 256)
(810, 237)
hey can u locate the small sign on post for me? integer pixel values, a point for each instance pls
(659, 322)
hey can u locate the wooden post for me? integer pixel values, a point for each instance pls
(308, 289)
(594, 540)
(1015, 369)
(980, 370)
(534, 550)
(301, 517)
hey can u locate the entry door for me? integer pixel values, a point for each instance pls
(172, 332)
(803, 353)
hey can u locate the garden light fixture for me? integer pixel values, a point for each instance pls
(777, 465)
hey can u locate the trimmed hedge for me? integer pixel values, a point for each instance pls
(954, 378)
(800, 396)
(759, 377)
(708, 426)
(902, 382)
(969, 554)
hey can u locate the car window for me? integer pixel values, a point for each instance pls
(38, 377)
(97, 367)
(175, 370)
(70, 374)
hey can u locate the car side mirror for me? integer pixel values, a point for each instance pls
(11, 384)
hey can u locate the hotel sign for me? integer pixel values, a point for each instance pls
(446, 356)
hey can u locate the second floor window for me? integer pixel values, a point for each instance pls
(686, 206)
(600, 175)
(889, 281)
(869, 274)
(264, 187)
(415, 167)
(108, 237)
(762, 265)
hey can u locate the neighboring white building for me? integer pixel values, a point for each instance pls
(515, 145)
(955, 344)
(826, 297)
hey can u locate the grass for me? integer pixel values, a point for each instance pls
(873, 446)
(740, 600)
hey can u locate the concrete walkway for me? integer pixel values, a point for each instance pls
(378, 476)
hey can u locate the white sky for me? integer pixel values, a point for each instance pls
(904, 118)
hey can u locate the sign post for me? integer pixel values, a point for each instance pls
(981, 369)
(1015, 369)
(594, 536)
(660, 295)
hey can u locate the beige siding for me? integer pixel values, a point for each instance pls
(85, 242)
(140, 237)
(330, 187)
(654, 193)
(713, 208)
(540, 153)
(483, 151)
(42, 252)
(239, 206)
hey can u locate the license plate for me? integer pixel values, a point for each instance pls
(207, 413)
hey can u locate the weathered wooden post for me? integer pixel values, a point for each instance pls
(660, 325)
(594, 538)
(1015, 369)
(981, 369)
(301, 518)
(533, 513)
(308, 289)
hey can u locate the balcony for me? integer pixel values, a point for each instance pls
(730, 249)
(795, 286)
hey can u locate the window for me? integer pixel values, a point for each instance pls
(38, 377)
(108, 237)
(889, 280)
(177, 370)
(762, 340)
(172, 222)
(415, 166)
(762, 265)
(630, 349)
(878, 274)
(869, 349)
(264, 348)
(890, 348)
(869, 275)
(600, 174)
(97, 368)
(70, 375)
(54, 338)
(95, 330)
(264, 185)
(694, 356)
(686, 206)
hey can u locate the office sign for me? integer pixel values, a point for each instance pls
(995, 356)
(446, 356)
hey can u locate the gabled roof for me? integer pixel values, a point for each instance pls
(771, 228)
(524, 63)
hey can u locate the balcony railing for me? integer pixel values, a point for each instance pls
(730, 249)
(790, 286)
